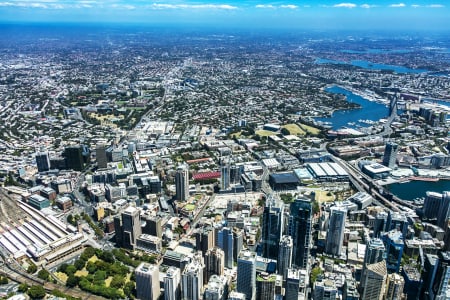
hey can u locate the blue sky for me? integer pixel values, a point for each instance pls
(381, 14)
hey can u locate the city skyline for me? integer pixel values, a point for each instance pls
(356, 15)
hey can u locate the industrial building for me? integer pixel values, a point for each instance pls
(327, 171)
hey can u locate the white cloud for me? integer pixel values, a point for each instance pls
(265, 6)
(398, 5)
(415, 5)
(192, 6)
(367, 6)
(289, 6)
(346, 5)
(436, 6)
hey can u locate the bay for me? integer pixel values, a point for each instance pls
(416, 189)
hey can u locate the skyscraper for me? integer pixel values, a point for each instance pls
(131, 226)
(393, 242)
(300, 221)
(224, 177)
(42, 161)
(172, 284)
(204, 238)
(192, 279)
(441, 285)
(374, 281)
(375, 252)
(217, 288)
(214, 262)
(74, 157)
(100, 154)
(225, 242)
(325, 290)
(394, 287)
(271, 230)
(238, 242)
(335, 232)
(285, 255)
(147, 281)
(444, 210)
(296, 284)
(182, 183)
(390, 155)
(246, 274)
(265, 286)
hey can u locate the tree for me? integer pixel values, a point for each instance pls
(23, 288)
(43, 274)
(129, 289)
(70, 269)
(32, 268)
(285, 131)
(36, 292)
(72, 281)
(117, 281)
(3, 280)
(79, 264)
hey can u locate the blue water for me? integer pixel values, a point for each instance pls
(371, 66)
(415, 189)
(369, 111)
(376, 51)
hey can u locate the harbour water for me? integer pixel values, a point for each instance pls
(369, 112)
(372, 66)
(417, 189)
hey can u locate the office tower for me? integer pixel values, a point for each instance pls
(375, 252)
(296, 284)
(217, 288)
(225, 242)
(390, 155)
(374, 281)
(172, 284)
(335, 232)
(350, 292)
(74, 158)
(325, 290)
(393, 242)
(300, 219)
(431, 205)
(238, 242)
(271, 230)
(440, 288)
(246, 274)
(225, 177)
(42, 161)
(235, 174)
(285, 255)
(131, 227)
(147, 281)
(153, 225)
(444, 211)
(380, 223)
(413, 281)
(394, 287)
(397, 221)
(182, 183)
(118, 228)
(214, 262)
(192, 279)
(100, 154)
(265, 286)
(204, 238)
(430, 266)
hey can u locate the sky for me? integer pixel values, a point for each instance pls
(425, 15)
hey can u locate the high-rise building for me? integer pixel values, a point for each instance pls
(238, 242)
(214, 262)
(431, 205)
(397, 221)
(147, 281)
(390, 155)
(429, 271)
(441, 285)
(444, 210)
(265, 286)
(285, 255)
(374, 281)
(335, 232)
(204, 238)
(182, 183)
(131, 227)
(225, 177)
(296, 284)
(394, 287)
(375, 252)
(172, 284)
(235, 174)
(246, 274)
(393, 242)
(325, 290)
(42, 161)
(271, 231)
(225, 242)
(300, 223)
(217, 288)
(192, 279)
(74, 157)
(100, 154)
